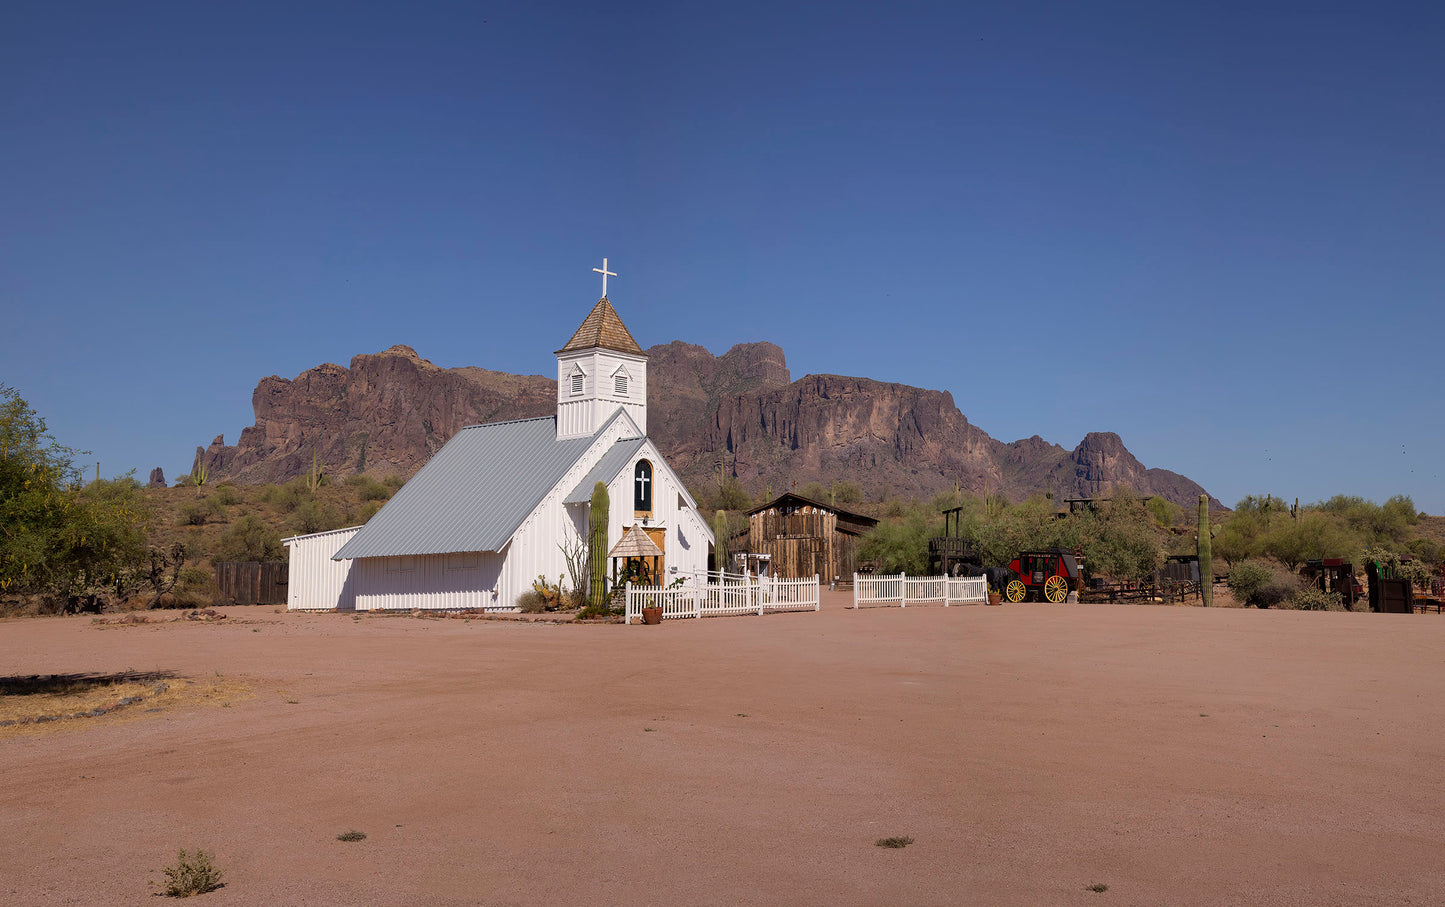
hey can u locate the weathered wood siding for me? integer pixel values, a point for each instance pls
(803, 543)
(251, 582)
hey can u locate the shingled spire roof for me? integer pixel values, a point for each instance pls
(602, 328)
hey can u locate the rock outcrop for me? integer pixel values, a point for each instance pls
(738, 414)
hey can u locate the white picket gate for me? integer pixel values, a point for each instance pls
(723, 594)
(871, 590)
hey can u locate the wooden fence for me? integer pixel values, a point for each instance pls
(252, 582)
(904, 590)
(723, 594)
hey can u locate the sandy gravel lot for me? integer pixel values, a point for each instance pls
(1176, 755)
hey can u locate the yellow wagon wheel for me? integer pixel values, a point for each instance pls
(1015, 591)
(1056, 589)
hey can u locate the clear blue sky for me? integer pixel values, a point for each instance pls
(1217, 228)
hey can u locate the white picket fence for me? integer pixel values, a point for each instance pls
(723, 594)
(870, 590)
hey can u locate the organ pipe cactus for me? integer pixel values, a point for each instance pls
(1206, 555)
(597, 545)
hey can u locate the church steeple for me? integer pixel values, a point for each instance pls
(602, 328)
(599, 371)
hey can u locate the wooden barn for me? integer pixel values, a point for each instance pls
(804, 538)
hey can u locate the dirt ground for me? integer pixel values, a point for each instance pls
(1176, 755)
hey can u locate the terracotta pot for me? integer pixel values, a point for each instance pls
(995, 599)
(652, 615)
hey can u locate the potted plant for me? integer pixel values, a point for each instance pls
(994, 598)
(652, 615)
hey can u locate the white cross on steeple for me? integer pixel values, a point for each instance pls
(605, 274)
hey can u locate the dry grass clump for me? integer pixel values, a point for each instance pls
(193, 874)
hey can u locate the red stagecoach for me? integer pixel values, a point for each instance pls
(1043, 575)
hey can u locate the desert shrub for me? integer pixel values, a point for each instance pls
(193, 874)
(202, 510)
(290, 495)
(901, 544)
(363, 513)
(1245, 578)
(249, 539)
(367, 488)
(372, 490)
(1262, 584)
(195, 582)
(393, 481)
(530, 602)
(316, 516)
(1164, 512)
(1312, 598)
(227, 494)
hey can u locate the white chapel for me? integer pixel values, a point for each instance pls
(497, 505)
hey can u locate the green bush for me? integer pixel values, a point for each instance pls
(249, 539)
(900, 544)
(202, 510)
(1164, 512)
(531, 602)
(315, 516)
(393, 481)
(372, 490)
(290, 495)
(227, 494)
(1246, 578)
(1262, 584)
(1312, 598)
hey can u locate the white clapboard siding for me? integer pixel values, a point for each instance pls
(315, 582)
(430, 582)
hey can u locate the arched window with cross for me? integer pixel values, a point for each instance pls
(642, 488)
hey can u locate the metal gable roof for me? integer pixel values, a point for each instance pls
(473, 494)
(616, 457)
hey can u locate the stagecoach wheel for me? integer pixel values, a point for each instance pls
(1015, 591)
(1056, 589)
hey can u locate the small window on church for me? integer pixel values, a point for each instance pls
(621, 385)
(642, 488)
(576, 384)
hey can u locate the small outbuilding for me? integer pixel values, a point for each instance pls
(803, 537)
(317, 582)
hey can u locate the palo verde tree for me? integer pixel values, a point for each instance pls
(58, 538)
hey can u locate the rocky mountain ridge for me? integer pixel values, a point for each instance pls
(738, 414)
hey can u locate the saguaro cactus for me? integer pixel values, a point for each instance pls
(1206, 555)
(597, 545)
(720, 540)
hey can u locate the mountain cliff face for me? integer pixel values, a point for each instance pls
(738, 414)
